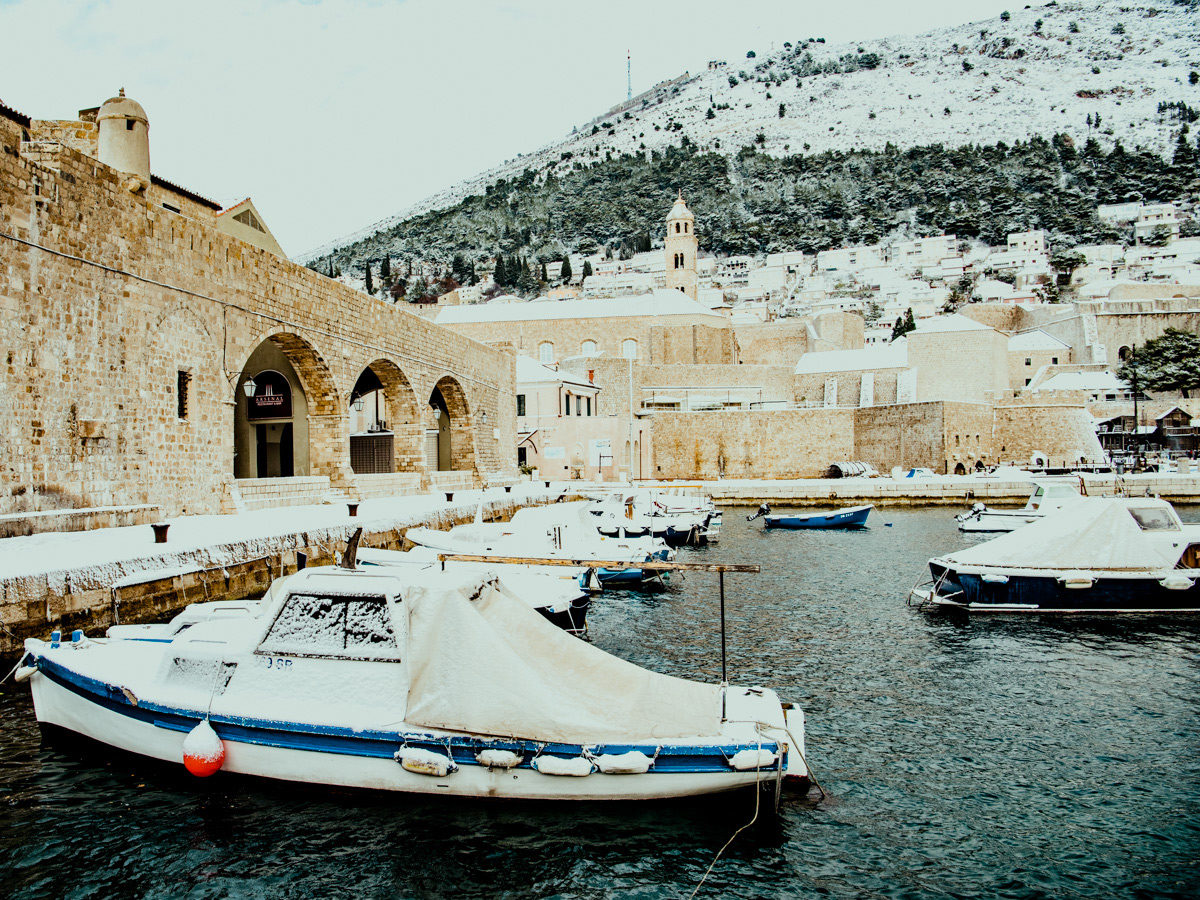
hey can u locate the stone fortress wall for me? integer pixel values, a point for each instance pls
(110, 301)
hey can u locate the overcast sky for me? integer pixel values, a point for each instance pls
(333, 114)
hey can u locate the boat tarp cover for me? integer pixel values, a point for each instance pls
(1095, 533)
(482, 661)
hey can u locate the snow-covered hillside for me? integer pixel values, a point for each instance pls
(1046, 69)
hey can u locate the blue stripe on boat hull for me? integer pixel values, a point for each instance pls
(1049, 594)
(379, 744)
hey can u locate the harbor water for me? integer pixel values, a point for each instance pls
(1005, 757)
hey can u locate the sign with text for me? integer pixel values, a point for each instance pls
(272, 397)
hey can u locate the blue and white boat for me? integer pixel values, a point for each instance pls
(1098, 555)
(850, 517)
(434, 683)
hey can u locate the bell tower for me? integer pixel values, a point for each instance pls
(125, 140)
(680, 247)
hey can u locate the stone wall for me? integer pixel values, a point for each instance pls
(105, 297)
(1063, 433)
(793, 443)
(908, 434)
(959, 365)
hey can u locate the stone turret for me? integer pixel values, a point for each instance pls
(681, 246)
(125, 140)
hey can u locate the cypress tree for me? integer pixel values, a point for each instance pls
(500, 276)
(587, 268)
(370, 288)
(385, 269)
(565, 273)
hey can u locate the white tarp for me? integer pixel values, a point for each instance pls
(482, 661)
(1093, 533)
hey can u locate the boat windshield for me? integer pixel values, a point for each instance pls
(1153, 518)
(347, 627)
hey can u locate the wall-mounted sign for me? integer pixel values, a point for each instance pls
(272, 397)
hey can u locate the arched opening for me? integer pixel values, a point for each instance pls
(385, 426)
(960, 469)
(286, 418)
(450, 444)
(588, 348)
(1123, 354)
(629, 348)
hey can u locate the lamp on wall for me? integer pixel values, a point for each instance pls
(483, 417)
(437, 412)
(249, 387)
(357, 402)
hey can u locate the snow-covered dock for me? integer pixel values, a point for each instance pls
(91, 579)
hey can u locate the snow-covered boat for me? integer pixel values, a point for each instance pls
(558, 531)
(849, 517)
(1046, 497)
(677, 520)
(428, 682)
(560, 594)
(1097, 555)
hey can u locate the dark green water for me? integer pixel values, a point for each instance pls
(998, 757)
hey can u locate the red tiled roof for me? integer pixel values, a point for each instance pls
(182, 191)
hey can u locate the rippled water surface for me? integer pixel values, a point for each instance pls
(1009, 757)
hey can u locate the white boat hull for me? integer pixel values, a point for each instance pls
(60, 706)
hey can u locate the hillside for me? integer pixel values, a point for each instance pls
(816, 109)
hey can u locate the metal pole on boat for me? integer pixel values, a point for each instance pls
(724, 676)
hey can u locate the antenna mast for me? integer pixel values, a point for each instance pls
(628, 78)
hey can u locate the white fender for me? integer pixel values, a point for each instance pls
(635, 762)
(24, 672)
(1172, 582)
(747, 759)
(576, 766)
(425, 762)
(498, 759)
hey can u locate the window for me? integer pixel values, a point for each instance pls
(1028, 361)
(685, 227)
(546, 352)
(129, 124)
(520, 404)
(629, 347)
(579, 406)
(677, 228)
(1054, 360)
(183, 381)
(1153, 519)
(589, 348)
(309, 625)
(567, 405)
(589, 406)
(1027, 380)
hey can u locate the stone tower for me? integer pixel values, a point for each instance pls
(681, 248)
(124, 140)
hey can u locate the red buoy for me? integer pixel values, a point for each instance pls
(203, 752)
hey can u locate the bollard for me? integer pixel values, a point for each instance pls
(353, 508)
(508, 489)
(449, 496)
(160, 532)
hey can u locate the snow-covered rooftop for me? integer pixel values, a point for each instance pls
(1083, 381)
(656, 303)
(1035, 340)
(530, 371)
(951, 323)
(880, 356)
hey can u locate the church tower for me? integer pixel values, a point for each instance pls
(681, 246)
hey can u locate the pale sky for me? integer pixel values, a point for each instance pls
(333, 114)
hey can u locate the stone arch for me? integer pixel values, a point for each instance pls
(455, 437)
(390, 410)
(1123, 353)
(315, 424)
(960, 469)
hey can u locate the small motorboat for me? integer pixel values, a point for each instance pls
(676, 519)
(559, 531)
(850, 517)
(560, 594)
(421, 681)
(1046, 497)
(1098, 555)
